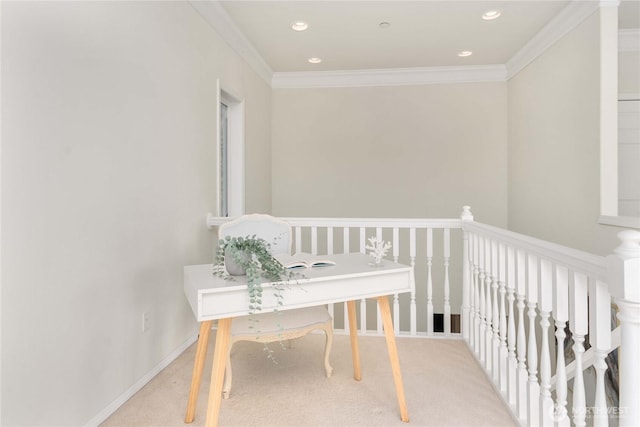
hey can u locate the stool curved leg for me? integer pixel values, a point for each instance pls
(228, 376)
(328, 330)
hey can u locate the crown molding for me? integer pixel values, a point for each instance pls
(629, 40)
(568, 19)
(389, 77)
(220, 21)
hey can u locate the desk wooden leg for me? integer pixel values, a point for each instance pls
(353, 333)
(198, 367)
(385, 313)
(217, 373)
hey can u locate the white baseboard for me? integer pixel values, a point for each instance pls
(113, 406)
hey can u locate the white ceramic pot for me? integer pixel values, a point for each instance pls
(233, 268)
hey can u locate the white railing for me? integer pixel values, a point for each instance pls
(425, 244)
(508, 295)
(522, 287)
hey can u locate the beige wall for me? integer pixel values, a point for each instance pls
(108, 171)
(554, 144)
(629, 68)
(405, 151)
(257, 143)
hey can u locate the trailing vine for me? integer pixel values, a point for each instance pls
(253, 254)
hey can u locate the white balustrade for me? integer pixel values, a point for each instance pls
(467, 292)
(510, 290)
(429, 282)
(512, 363)
(363, 302)
(578, 323)
(533, 418)
(482, 336)
(521, 338)
(447, 291)
(561, 314)
(495, 320)
(346, 238)
(412, 303)
(600, 340)
(396, 299)
(488, 308)
(503, 353)
(545, 296)
(476, 292)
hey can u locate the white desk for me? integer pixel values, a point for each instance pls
(351, 279)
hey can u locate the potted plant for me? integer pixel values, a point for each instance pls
(251, 256)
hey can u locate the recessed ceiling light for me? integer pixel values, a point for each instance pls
(315, 60)
(465, 53)
(385, 25)
(299, 26)
(490, 15)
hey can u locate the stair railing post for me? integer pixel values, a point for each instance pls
(624, 283)
(466, 216)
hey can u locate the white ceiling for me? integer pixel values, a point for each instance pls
(423, 33)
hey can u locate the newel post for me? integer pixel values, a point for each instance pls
(466, 216)
(624, 280)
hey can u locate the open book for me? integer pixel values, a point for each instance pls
(303, 260)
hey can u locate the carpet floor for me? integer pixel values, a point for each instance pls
(444, 386)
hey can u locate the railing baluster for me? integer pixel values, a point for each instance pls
(476, 294)
(533, 413)
(472, 303)
(600, 340)
(395, 244)
(467, 295)
(495, 320)
(330, 241)
(412, 303)
(561, 315)
(482, 300)
(521, 337)
(330, 251)
(487, 307)
(545, 294)
(345, 240)
(345, 317)
(429, 282)
(331, 310)
(579, 327)
(396, 323)
(511, 328)
(314, 240)
(467, 292)
(396, 313)
(363, 316)
(395, 248)
(502, 277)
(363, 302)
(447, 303)
(346, 235)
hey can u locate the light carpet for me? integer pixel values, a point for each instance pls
(444, 386)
